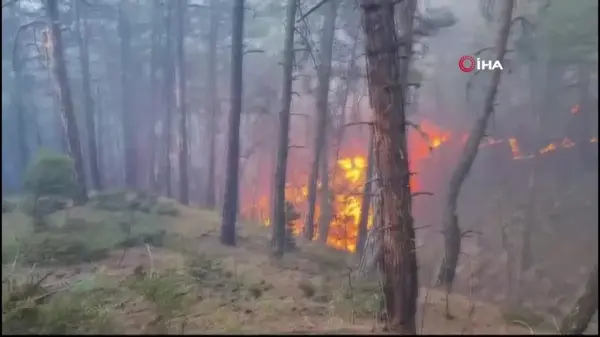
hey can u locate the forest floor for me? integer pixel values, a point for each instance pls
(190, 283)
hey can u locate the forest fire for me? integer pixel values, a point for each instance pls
(349, 176)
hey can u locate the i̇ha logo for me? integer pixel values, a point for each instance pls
(468, 63)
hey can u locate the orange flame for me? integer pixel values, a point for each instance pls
(347, 184)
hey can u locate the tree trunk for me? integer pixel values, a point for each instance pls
(64, 94)
(213, 102)
(398, 260)
(99, 123)
(321, 125)
(233, 142)
(124, 28)
(157, 30)
(279, 218)
(452, 233)
(584, 309)
(169, 78)
(88, 103)
(365, 205)
(585, 122)
(20, 110)
(181, 109)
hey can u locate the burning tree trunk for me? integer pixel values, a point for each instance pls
(64, 94)
(124, 28)
(385, 54)
(233, 142)
(365, 205)
(450, 220)
(180, 101)
(584, 309)
(279, 207)
(322, 122)
(212, 102)
(88, 102)
(168, 70)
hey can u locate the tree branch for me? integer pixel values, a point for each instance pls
(309, 12)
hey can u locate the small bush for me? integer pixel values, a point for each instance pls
(50, 174)
(29, 308)
(44, 206)
(59, 248)
(166, 208)
(110, 201)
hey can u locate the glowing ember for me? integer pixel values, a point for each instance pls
(514, 148)
(550, 147)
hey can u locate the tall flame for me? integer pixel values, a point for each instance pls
(347, 182)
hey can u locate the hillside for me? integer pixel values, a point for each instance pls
(188, 282)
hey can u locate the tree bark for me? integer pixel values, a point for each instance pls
(321, 125)
(124, 29)
(385, 53)
(233, 142)
(153, 141)
(452, 235)
(212, 100)
(181, 108)
(584, 309)
(59, 69)
(365, 205)
(169, 78)
(88, 102)
(279, 218)
(19, 105)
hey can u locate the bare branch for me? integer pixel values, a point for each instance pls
(421, 132)
(295, 147)
(416, 194)
(356, 124)
(254, 51)
(309, 12)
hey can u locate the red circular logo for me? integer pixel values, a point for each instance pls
(466, 63)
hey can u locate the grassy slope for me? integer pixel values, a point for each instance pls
(195, 285)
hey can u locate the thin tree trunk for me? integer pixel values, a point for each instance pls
(365, 205)
(155, 89)
(584, 309)
(64, 94)
(88, 103)
(180, 101)
(169, 78)
(452, 233)
(321, 125)
(100, 118)
(212, 100)
(398, 260)
(124, 28)
(233, 142)
(585, 122)
(20, 110)
(279, 218)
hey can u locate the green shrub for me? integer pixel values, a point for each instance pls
(29, 308)
(50, 174)
(50, 248)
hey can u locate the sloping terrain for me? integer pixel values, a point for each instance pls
(190, 283)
